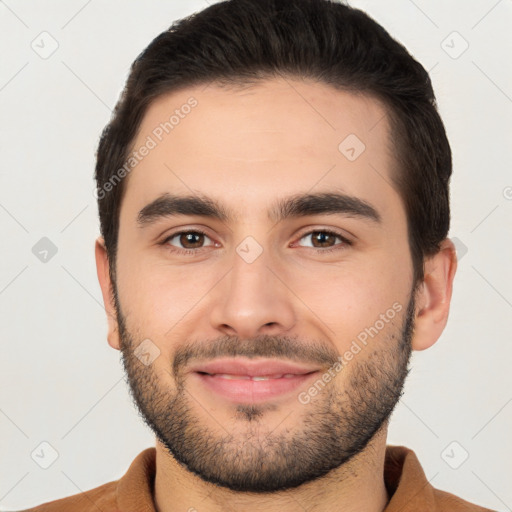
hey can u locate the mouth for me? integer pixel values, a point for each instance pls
(243, 380)
(248, 377)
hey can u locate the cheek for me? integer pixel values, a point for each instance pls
(350, 298)
(157, 297)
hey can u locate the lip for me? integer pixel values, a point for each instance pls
(252, 368)
(282, 378)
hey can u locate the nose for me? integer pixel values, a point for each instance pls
(253, 299)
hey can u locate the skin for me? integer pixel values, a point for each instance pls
(246, 148)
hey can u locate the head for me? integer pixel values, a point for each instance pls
(273, 185)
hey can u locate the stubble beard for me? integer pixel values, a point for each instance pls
(250, 455)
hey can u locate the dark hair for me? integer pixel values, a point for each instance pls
(239, 42)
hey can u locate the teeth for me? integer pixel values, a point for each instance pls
(255, 378)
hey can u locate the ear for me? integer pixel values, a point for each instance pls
(434, 295)
(102, 269)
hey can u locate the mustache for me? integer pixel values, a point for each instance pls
(283, 347)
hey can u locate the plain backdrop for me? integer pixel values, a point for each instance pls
(61, 383)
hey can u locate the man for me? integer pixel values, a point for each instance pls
(273, 192)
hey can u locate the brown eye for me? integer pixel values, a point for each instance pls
(191, 240)
(187, 240)
(324, 239)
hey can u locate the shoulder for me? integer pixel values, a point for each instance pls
(410, 490)
(447, 502)
(100, 498)
(133, 490)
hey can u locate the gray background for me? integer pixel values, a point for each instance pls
(62, 384)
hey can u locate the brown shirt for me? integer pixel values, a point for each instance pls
(405, 481)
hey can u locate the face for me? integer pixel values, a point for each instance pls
(264, 290)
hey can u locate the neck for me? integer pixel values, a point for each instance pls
(356, 486)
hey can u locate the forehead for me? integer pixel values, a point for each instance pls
(275, 138)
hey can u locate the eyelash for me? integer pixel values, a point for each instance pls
(191, 252)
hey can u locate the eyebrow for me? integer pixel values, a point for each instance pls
(299, 205)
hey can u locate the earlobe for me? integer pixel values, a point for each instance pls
(102, 269)
(434, 295)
